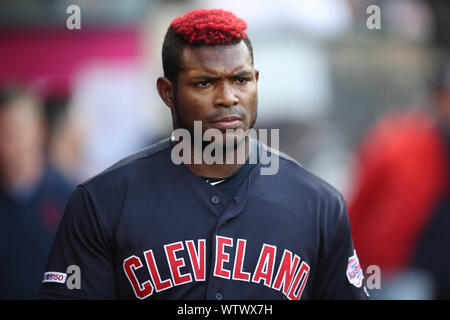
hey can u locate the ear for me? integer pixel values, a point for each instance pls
(165, 89)
(256, 75)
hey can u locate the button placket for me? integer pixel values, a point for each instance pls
(215, 199)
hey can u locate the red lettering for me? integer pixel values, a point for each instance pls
(198, 258)
(129, 265)
(264, 268)
(286, 271)
(176, 263)
(300, 281)
(154, 273)
(221, 256)
(238, 274)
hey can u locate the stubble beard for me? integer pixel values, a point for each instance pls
(237, 140)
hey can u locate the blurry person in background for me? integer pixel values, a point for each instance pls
(400, 209)
(65, 136)
(32, 194)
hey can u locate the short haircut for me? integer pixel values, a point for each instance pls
(210, 27)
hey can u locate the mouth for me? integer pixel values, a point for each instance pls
(227, 122)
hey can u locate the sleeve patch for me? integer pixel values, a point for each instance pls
(57, 277)
(354, 271)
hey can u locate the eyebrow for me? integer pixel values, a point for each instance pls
(211, 77)
(242, 74)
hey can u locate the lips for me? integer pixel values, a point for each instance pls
(227, 122)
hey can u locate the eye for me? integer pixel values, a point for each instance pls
(241, 80)
(203, 84)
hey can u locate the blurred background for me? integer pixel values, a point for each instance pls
(368, 110)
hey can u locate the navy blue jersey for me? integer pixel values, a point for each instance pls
(149, 229)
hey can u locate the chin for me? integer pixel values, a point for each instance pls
(227, 142)
(233, 140)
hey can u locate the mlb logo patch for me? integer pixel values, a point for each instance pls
(354, 271)
(57, 277)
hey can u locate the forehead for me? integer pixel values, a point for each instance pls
(21, 108)
(216, 59)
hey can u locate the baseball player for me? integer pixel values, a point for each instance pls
(147, 228)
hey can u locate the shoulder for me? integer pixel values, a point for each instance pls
(150, 158)
(109, 189)
(303, 188)
(291, 175)
(105, 194)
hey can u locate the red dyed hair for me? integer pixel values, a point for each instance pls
(210, 26)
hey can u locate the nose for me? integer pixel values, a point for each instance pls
(225, 96)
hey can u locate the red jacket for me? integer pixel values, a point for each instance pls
(402, 174)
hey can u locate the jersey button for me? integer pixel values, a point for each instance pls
(215, 199)
(219, 296)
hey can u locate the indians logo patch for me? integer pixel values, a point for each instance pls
(354, 271)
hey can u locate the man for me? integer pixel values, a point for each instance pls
(147, 228)
(32, 195)
(65, 135)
